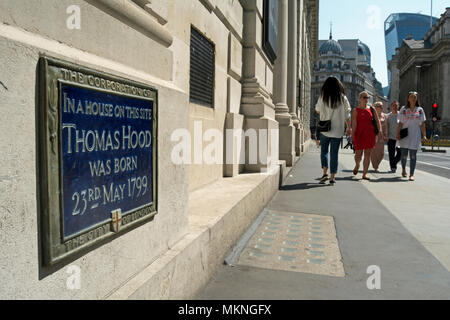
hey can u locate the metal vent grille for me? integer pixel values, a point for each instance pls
(201, 80)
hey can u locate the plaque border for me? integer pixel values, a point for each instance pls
(54, 250)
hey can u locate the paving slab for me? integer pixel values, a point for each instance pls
(370, 231)
(294, 242)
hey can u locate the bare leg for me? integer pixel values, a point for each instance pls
(358, 157)
(366, 163)
(377, 155)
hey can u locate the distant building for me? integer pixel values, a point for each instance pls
(399, 26)
(394, 89)
(424, 66)
(350, 62)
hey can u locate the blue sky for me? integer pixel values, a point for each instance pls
(364, 20)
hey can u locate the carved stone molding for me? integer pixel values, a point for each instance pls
(157, 8)
(135, 17)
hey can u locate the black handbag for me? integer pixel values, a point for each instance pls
(375, 125)
(324, 126)
(403, 133)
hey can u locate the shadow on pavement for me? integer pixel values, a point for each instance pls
(380, 172)
(302, 186)
(393, 179)
(352, 178)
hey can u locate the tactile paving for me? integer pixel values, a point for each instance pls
(295, 242)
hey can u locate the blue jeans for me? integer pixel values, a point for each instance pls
(325, 142)
(412, 159)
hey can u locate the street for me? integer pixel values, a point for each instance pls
(390, 225)
(435, 163)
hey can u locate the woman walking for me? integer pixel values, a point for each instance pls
(378, 152)
(333, 108)
(392, 126)
(411, 131)
(364, 123)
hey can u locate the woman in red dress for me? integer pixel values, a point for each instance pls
(363, 133)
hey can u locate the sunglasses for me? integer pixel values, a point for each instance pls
(413, 92)
(365, 98)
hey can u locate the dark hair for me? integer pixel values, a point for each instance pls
(332, 91)
(407, 99)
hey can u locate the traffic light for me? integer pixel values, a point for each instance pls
(434, 113)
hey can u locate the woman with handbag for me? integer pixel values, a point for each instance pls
(365, 128)
(411, 131)
(334, 110)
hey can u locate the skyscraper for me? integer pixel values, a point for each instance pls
(399, 26)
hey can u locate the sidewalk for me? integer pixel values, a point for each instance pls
(400, 226)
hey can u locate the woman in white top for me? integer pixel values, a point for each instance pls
(411, 117)
(332, 105)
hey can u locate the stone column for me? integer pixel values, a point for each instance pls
(287, 130)
(292, 61)
(293, 71)
(256, 103)
(445, 107)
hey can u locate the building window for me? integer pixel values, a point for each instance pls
(330, 65)
(270, 29)
(201, 81)
(299, 93)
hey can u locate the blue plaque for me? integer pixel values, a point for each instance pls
(106, 147)
(97, 157)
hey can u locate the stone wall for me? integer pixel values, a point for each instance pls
(147, 42)
(104, 43)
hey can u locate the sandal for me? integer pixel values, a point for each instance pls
(355, 171)
(411, 178)
(366, 178)
(404, 175)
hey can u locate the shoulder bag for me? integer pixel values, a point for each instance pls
(325, 126)
(404, 132)
(374, 122)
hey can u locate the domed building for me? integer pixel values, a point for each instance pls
(350, 62)
(331, 47)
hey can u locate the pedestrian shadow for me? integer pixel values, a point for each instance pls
(347, 178)
(370, 171)
(302, 186)
(393, 179)
(381, 172)
(351, 178)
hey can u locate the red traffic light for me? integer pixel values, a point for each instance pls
(435, 105)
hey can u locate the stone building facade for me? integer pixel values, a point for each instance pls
(203, 207)
(424, 66)
(350, 62)
(395, 78)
